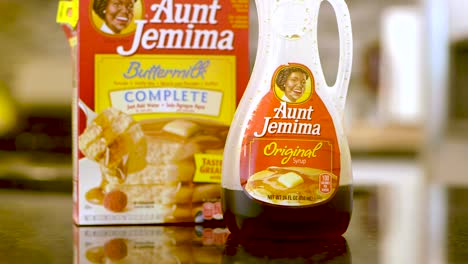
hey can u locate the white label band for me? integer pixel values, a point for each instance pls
(167, 100)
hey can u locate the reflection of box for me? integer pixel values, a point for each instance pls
(149, 244)
(158, 83)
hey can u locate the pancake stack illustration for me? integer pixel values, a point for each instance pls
(150, 164)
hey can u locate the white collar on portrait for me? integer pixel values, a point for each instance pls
(106, 29)
(286, 99)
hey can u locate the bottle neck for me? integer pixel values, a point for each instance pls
(288, 34)
(288, 31)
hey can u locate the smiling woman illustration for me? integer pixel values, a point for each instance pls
(116, 14)
(292, 81)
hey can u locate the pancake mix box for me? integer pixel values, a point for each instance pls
(157, 84)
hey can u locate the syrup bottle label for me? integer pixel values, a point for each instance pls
(290, 154)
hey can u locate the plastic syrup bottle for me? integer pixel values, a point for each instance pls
(287, 166)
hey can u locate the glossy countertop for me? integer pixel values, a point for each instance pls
(386, 227)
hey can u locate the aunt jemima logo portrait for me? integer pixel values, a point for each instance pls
(116, 17)
(167, 24)
(293, 83)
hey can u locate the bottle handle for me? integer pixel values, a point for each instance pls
(340, 88)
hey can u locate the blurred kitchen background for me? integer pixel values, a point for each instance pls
(35, 97)
(406, 101)
(406, 116)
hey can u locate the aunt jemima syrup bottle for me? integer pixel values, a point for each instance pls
(287, 166)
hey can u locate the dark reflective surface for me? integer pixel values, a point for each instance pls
(36, 227)
(330, 250)
(149, 244)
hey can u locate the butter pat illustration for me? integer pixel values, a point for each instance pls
(290, 179)
(181, 128)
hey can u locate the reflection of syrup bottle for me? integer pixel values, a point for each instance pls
(287, 166)
(332, 250)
